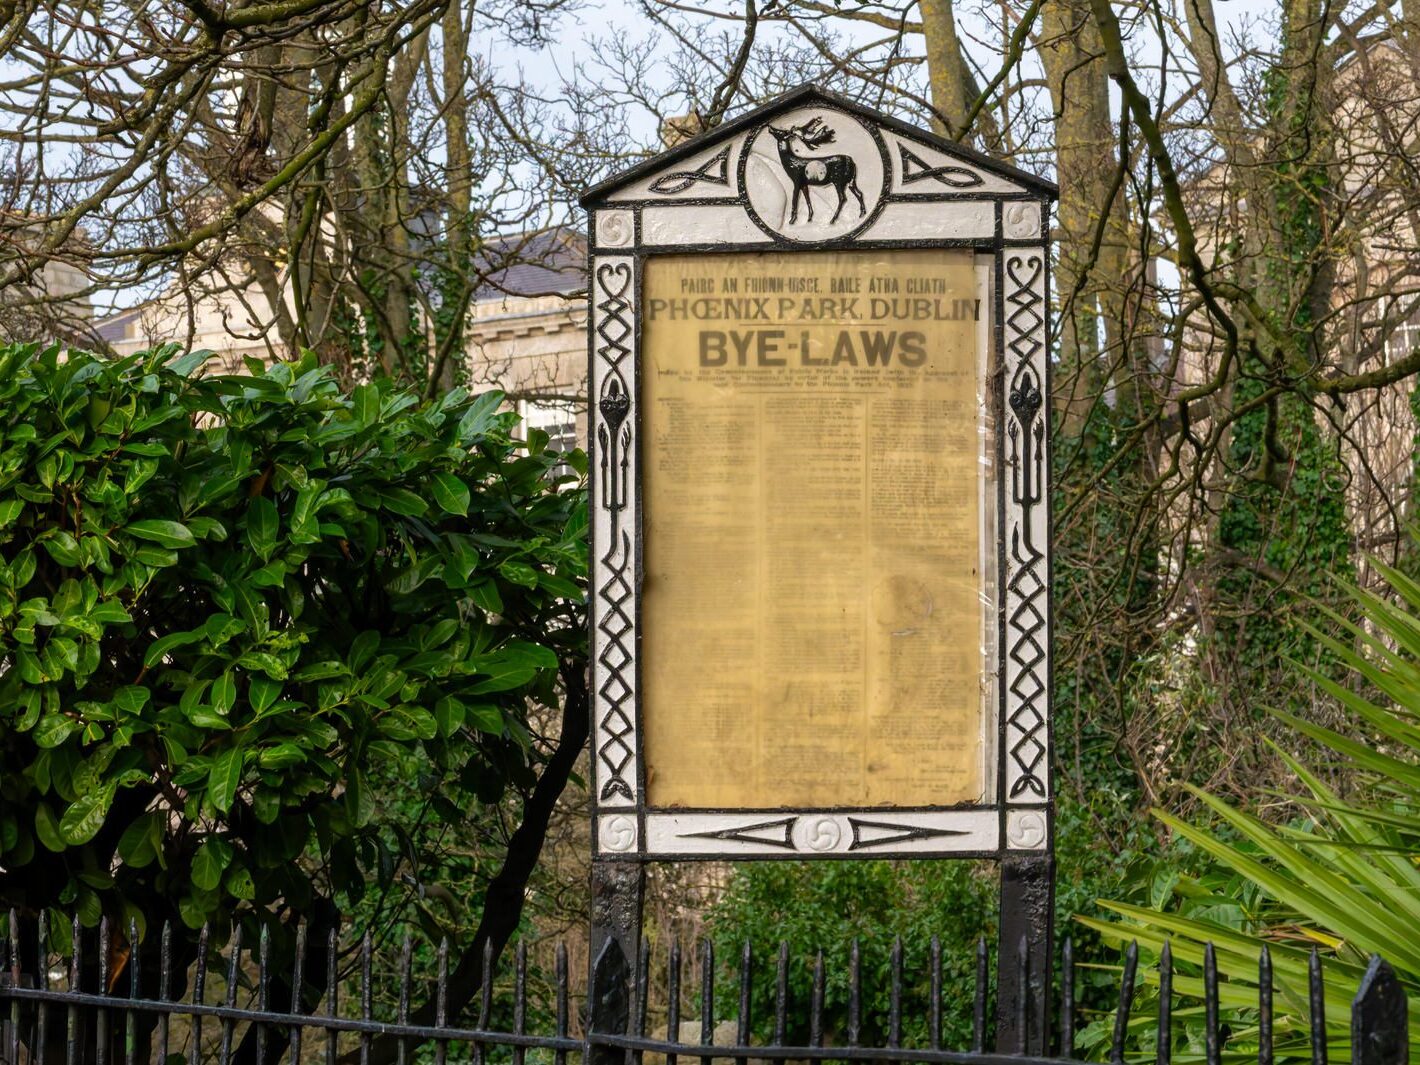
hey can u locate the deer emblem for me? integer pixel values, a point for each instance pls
(804, 171)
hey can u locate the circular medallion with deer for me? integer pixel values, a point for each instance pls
(813, 174)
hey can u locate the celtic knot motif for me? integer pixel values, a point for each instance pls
(618, 733)
(1026, 588)
(714, 171)
(915, 169)
(613, 326)
(613, 329)
(1026, 315)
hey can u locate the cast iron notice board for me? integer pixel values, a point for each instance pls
(820, 506)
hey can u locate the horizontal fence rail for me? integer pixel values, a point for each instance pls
(95, 1005)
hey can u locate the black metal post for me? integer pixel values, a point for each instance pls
(1380, 1019)
(1023, 981)
(618, 891)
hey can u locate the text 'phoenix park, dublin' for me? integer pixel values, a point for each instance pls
(769, 340)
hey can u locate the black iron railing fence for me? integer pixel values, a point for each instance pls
(93, 1004)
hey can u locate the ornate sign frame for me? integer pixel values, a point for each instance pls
(906, 188)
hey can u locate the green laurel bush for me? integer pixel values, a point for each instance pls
(225, 601)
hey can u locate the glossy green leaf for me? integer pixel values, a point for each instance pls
(402, 501)
(85, 816)
(486, 718)
(262, 691)
(47, 829)
(449, 714)
(194, 910)
(142, 840)
(131, 698)
(54, 729)
(224, 778)
(450, 493)
(305, 522)
(61, 546)
(282, 756)
(163, 644)
(485, 596)
(263, 524)
(210, 862)
(238, 883)
(406, 722)
(224, 693)
(478, 420)
(207, 718)
(519, 573)
(366, 404)
(165, 533)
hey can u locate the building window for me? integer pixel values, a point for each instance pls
(558, 419)
(1402, 320)
(1406, 338)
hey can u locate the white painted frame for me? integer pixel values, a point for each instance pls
(934, 194)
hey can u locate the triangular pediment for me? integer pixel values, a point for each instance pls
(914, 163)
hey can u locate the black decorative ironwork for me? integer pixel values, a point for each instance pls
(780, 831)
(915, 169)
(866, 833)
(1013, 825)
(614, 443)
(614, 330)
(71, 998)
(714, 171)
(918, 168)
(810, 171)
(895, 833)
(618, 734)
(1025, 431)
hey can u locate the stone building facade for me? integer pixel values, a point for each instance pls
(526, 330)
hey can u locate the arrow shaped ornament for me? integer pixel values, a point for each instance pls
(867, 834)
(776, 833)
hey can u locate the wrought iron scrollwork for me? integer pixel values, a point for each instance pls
(615, 623)
(1026, 588)
(614, 443)
(616, 749)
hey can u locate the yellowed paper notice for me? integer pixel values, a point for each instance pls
(812, 483)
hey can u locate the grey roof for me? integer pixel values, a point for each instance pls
(545, 263)
(115, 326)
